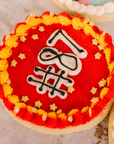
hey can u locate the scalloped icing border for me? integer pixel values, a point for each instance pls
(52, 120)
(75, 6)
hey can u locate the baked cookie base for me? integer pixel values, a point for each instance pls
(111, 127)
(103, 18)
(67, 130)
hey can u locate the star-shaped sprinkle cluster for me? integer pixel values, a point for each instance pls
(34, 36)
(97, 55)
(102, 83)
(25, 98)
(13, 63)
(22, 56)
(70, 89)
(53, 107)
(93, 90)
(38, 104)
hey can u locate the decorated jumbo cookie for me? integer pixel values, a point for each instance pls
(97, 10)
(56, 73)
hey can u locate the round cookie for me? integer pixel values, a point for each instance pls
(96, 10)
(56, 73)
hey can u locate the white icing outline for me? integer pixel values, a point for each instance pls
(70, 62)
(61, 37)
(75, 6)
(50, 76)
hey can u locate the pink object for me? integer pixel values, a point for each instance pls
(86, 2)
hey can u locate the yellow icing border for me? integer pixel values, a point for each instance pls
(12, 42)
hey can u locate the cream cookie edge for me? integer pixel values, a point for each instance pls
(67, 130)
(103, 18)
(110, 126)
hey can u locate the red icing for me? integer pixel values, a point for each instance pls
(93, 70)
(8, 105)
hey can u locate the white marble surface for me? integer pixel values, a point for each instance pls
(11, 132)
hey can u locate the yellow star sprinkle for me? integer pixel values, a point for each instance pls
(27, 20)
(70, 89)
(101, 47)
(8, 36)
(22, 39)
(70, 118)
(94, 42)
(90, 112)
(97, 55)
(53, 107)
(25, 98)
(12, 32)
(102, 83)
(13, 63)
(38, 104)
(34, 110)
(95, 99)
(91, 23)
(59, 111)
(34, 36)
(103, 34)
(16, 109)
(51, 13)
(8, 81)
(32, 15)
(41, 28)
(86, 20)
(1, 43)
(22, 56)
(93, 90)
(44, 117)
